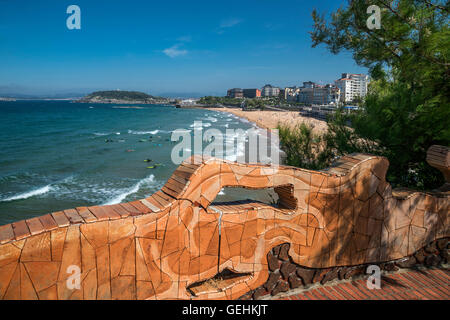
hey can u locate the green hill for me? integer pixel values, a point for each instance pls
(122, 95)
(118, 96)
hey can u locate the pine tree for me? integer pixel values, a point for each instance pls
(407, 107)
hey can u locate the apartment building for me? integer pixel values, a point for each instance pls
(290, 94)
(320, 95)
(309, 84)
(270, 91)
(352, 86)
(252, 93)
(235, 93)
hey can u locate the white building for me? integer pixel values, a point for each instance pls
(319, 95)
(352, 86)
(309, 84)
(291, 93)
(270, 91)
(189, 102)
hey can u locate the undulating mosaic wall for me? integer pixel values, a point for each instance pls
(285, 275)
(167, 246)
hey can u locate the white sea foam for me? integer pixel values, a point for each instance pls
(83, 188)
(29, 194)
(143, 132)
(212, 119)
(197, 125)
(120, 197)
(106, 133)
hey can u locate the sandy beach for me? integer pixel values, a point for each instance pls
(271, 119)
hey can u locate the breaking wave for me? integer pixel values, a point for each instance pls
(120, 197)
(29, 194)
(143, 132)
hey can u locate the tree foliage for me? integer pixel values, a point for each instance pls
(120, 95)
(254, 103)
(407, 107)
(302, 147)
(211, 100)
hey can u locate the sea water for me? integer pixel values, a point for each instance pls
(56, 155)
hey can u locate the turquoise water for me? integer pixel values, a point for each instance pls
(56, 155)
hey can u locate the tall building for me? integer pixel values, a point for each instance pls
(309, 84)
(320, 95)
(235, 93)
(252, 93)
(270, 91)
(352, 86)
(291, 93)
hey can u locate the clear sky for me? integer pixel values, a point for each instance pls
(163, 47)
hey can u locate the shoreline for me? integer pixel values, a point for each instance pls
(270, 119)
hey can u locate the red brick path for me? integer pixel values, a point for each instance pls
(429, 284)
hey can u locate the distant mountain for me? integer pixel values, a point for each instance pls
(118, 96)
(22, 96)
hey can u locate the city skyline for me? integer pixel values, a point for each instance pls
(191, 49)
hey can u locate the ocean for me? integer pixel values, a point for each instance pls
(56, 155)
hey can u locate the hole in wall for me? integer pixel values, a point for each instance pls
(280, 197)
(220, 282)
(230, 194)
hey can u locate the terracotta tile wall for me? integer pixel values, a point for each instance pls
(156, 247)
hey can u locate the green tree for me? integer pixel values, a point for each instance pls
(407, 107)
(302, 147)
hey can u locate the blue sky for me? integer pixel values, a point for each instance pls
(163, 47)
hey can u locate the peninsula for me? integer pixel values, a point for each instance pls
(122, 97)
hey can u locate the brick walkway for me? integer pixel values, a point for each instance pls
(427, 284)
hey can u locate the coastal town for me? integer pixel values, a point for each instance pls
(349, 88)
(311, 99)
